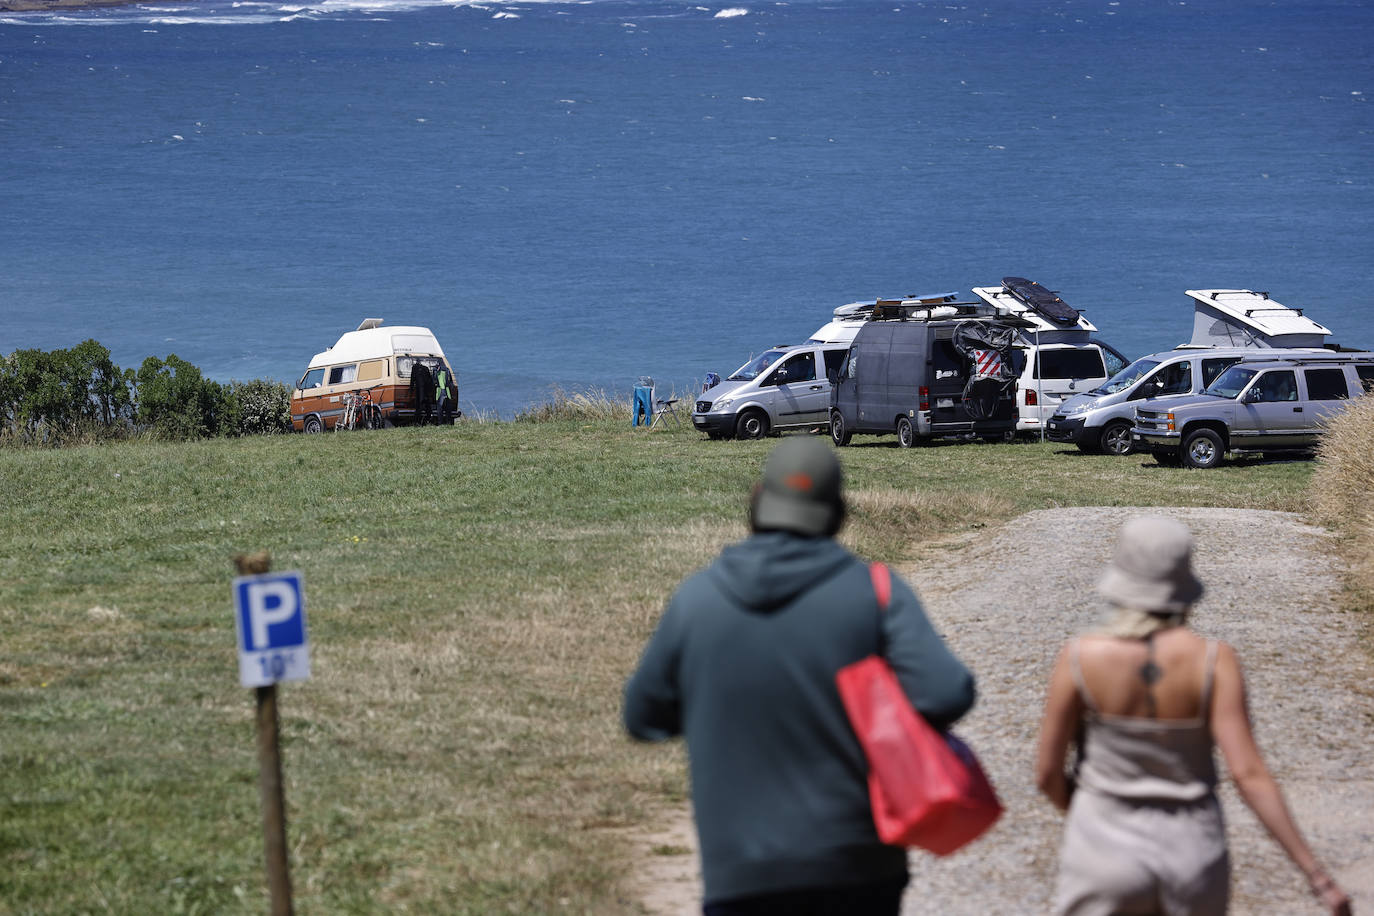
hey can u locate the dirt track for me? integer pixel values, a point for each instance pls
(1024, 588)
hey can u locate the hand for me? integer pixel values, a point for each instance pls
(1332, 898)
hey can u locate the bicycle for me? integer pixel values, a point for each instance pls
(358, 407)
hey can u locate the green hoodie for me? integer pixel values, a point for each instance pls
(743, 665)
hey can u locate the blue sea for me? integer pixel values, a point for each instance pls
(575, 194)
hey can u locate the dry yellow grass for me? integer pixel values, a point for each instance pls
(1341, 488)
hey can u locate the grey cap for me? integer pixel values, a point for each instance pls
(800, 490)
(1152, 569)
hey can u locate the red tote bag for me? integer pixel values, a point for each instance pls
(926, 788)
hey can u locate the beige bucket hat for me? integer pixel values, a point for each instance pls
(1152, 569)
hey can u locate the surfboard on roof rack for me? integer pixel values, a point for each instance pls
(1044, 301)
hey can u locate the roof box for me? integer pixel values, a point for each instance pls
(1246, 318)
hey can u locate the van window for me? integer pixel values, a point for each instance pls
(833, 360)
(1128, 376)
(372, 369)
(1366, 374)
(800, 368)
(851, 364)
(755, 367)
(1211, 368)
(1326, 384)
(1072, 363)
(312, 379)
(342, 375)
(1279, 385)
(1174, 378)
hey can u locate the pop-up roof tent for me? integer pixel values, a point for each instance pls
(1245, 318)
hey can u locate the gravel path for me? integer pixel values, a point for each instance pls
(1017, 592)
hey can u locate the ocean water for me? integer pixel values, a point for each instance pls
(572, 195)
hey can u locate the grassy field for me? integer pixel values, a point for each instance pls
(476, 597)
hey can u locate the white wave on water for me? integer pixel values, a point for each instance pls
(731, 13)
(243, 12)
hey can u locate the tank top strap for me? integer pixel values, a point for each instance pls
(1209, 670)
(1076, 668)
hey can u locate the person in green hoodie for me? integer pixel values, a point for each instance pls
(742, 664)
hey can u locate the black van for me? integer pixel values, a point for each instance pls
(923, 379)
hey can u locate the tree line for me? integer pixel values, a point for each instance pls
(63, 397)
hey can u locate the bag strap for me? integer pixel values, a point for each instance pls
(882, 583)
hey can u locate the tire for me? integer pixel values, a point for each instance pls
(906, 435)
(1202, 448)
(312, 425)
(372, 418)
(1115, 438)
(752, 424)
(838, 433)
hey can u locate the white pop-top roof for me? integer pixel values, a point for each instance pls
(1248, 318)
(372, 341)
(1007, 304)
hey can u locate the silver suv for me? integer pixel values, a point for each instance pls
(1275, 406)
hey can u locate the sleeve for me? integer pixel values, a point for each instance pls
(653, 701)
(938, 684)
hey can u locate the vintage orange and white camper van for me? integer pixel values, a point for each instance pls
(388, 376)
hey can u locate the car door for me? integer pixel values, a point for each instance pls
(801, 397)
(1327, 393)
(1271, 413)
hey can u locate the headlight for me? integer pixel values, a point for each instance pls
(722, 405)
(1077, 409)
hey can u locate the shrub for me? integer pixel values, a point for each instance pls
(175, 402)
(263, 407)
(51, 397)
(1341, 485)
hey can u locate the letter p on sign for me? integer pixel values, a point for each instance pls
(270, 619)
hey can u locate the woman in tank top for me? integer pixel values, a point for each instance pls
(1145, 699)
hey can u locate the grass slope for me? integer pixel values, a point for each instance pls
(476, 596)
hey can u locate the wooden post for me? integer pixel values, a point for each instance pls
(269, 772)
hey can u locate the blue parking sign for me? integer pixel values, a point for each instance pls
(269, 614)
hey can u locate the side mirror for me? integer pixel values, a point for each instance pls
(1252, 395)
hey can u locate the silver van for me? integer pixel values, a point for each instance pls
(1100, 420)
(781, 388)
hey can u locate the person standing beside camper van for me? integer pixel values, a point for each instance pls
(442, 401)
(743, 663)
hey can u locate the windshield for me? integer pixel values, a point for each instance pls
(1128, 376)
(1230, 383)
(756, 366)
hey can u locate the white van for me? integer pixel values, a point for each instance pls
(1063, 357)
(781, 388)
(387, 374)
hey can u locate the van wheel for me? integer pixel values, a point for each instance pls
(1116, 438)
(906, 436)
(752, 424)
(838, 434)
(313, 425)
(1202, 449)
